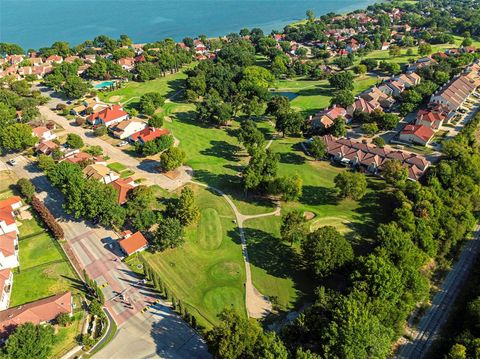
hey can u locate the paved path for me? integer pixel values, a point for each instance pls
(257, 304)
(95, 249)
(144, 168)
(433, 320)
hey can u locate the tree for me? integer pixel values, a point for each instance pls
(338, 129)
(147, 71)
(289, 123)
(351, 185)
(277, 105)
(342, 80)
(294, 227)
(394, 51)
(150, 102)
(326, 250)
(361, 69)
(156, 121)
(26, 187)
(250, 136)
(261, 169)
(379, 141)
(100, 130)
(63, 319)
(75, 87)
(370, 129)
(170, 234)
(46, 163)
(394, 172)
(458, 351)
(29, 341)
(318, 148)
(424, 49)
(16, 137)
(467, 41)
(310, 15)
(172, 158)
(185, 209)
(74, 141)
(288, 187)
(343, 98)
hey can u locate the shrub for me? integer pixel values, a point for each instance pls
(47, 218)
(63, 319)
(26, 187)
(100, 130)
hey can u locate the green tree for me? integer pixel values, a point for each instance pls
(147, 71)
(342, 80)
(75, 87)
(338, 129)
(289, 123)
(16, 137)
(394, 172)
(46, 163)
(250, 136)
(156, 121)
(185, 209)
(326, 250)
(318, 148)
(379, 141)
(294, 227)
(150, 102)
(74, 141)
(172, 158)
(424, 49)
(26, 187)
(100, 131)
(370, 129)
(29, 341)
(170, 234)
(343, 98)
(351, 185)
(288, 187)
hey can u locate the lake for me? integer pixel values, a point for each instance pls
(37, 23)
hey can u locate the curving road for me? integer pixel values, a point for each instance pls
(431, 323)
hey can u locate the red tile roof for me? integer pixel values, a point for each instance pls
(133, 243)
(108, 114)
(40, 311)
(423, 132)
(7, 243)
(123, 187)
(4, 276)
(149, 134)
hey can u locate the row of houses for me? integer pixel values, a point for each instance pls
(372, 158)
(444, 104)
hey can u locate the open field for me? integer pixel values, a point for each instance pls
(207, 273)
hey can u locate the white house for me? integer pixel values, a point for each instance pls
(418, 134)
(9, 232)
(43, 133)
(6, 282)
(100, 173)
(127, 128)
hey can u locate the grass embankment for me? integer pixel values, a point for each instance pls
(207, 273)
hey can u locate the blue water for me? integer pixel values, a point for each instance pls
(104, 84)
(37, 23)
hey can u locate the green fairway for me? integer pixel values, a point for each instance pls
(207, 273)
(313, 96)
(167, 85)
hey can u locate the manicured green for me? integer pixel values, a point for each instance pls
(116, 166)
(38, 250)
(207, 273)
(127, 173)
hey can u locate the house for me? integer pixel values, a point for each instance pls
(429, 118)
(148, 134)
(100, 173)
(125, 129)
(46, 147)
(9, 232)
(372, 158)
(363, 105)
(385, 46)
(89, 104)
(375, 94)
(41, 311)
(397, 87)
(54, 59)
(409, 80)
(43, 133)
(132, 243)
(418, 134)
(421, 63)
(108, 116)
(127, 63)
(71, 59)
(123, 186)
(6, 281)
(325, 118)
(455, 93)
(80, 157)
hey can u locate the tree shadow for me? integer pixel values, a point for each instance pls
(190, 118)
(222, 149)
(75, 283)
(316, 196)
(292, 158)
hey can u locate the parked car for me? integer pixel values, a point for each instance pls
(12, 162)
(123, 143)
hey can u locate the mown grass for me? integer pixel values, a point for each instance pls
(207, 273)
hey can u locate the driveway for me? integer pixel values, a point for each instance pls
(143, 168)
(93, 248)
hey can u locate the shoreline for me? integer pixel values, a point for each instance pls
(70, 35)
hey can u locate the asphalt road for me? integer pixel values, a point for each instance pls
(436, 316)
(163, 333)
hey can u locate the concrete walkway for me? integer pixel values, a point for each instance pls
(257, 304)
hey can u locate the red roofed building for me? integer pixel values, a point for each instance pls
(127, 63)
(6, 281)
(363, 105)
(123, 186)
(46, 147)
(9, 232)
(108, 116)
(43, 133)
(133, 243)
(38, 312)
(148, 134)
(325, 118)
(54, 59)
(419, 134)
(430, 119)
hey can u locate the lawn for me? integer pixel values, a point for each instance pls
(275, 265)
(65, 338)
(7, 178)
(116, 166)
(207, 273)
(168, 86)
(313, 96)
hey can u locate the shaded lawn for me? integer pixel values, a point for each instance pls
(207, 273)
(41, 281)
(38, 250)
(7, 178)
(66, 337)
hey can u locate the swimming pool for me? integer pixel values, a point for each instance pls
(105, 84)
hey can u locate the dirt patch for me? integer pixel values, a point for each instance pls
(308, 215)
(167, 119)
(172, 174)
(115, 98)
